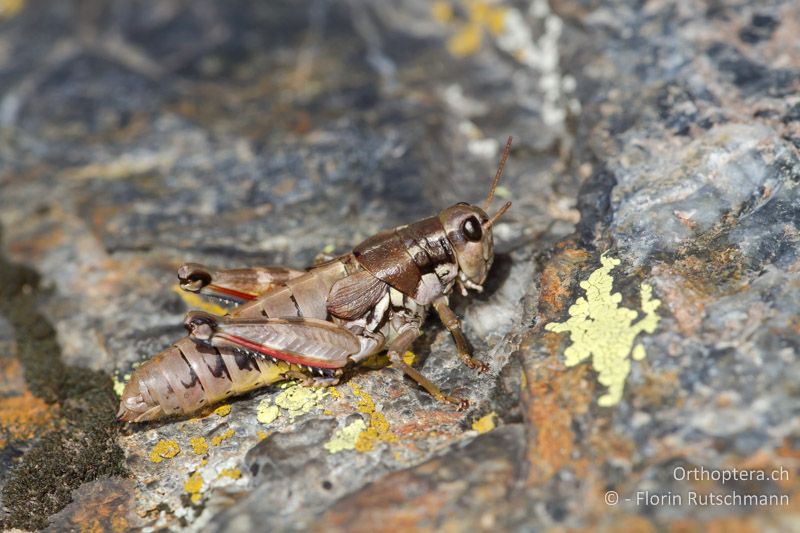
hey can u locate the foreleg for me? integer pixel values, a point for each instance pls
(451, 322)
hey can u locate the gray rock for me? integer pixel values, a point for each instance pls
(243, 133)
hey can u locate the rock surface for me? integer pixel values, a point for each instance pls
(655, 178)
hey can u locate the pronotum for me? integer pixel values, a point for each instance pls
(310, 325)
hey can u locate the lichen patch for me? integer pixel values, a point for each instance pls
(485, 423)
(232, 473)
(164, 449)
(267, 412)
(298, 400)
(601, 328)
(223, 410)
(193, 486)
(222, 437)
(199, 445)
(468, 36)
(378, 429)
(345, 438)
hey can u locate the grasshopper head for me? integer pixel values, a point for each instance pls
(469, 230)
(474, 247)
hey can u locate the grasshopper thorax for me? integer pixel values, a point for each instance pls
(425, 259)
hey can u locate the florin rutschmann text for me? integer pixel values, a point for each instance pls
(710, 498)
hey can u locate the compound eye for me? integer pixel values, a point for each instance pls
(472, 229)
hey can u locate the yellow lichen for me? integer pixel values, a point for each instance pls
(466, 41)
(223, 410)
(490, 17)
(482, 17)
(219, 439)
(381, 360)
(199, 445)
(375, 361)
(346, 437)
(298, 400)
(266, 413)
(442, 12)
(378, 429)
(195, 301)
(600, 328)
(233, 473)
(261, 435)
(485, 423)
(9, 8)
(164, 449)
(193, 486)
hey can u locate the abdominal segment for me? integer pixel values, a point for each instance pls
(188, 376)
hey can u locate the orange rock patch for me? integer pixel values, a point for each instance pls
(23, 416)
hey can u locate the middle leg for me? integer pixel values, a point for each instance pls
(395, 352)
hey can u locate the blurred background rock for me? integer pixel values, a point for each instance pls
(135, 136)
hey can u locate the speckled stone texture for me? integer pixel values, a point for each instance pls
(666, 135)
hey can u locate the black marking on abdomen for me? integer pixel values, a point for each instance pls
(195, 378)
(245, 362)
(219, 367)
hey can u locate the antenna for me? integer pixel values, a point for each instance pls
(488, 223)
(488, 202)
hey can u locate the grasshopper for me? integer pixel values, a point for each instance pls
(311, 325)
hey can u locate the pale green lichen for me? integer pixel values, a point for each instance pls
(599, 327)
(295, 400)
(119, 384)
(298, 400)
(346, 437)
(266, 413)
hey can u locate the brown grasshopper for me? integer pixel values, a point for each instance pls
(311, 324)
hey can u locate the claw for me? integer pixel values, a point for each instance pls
(461, 404)
(473, 363)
